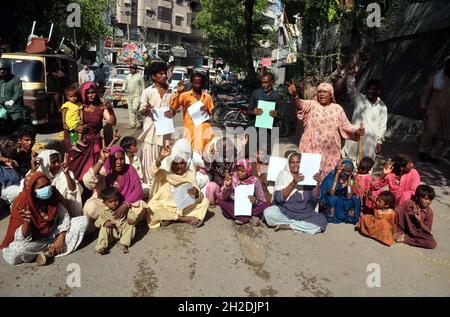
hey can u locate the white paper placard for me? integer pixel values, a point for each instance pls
(243, 205)
(309, 166)
(181, 197)
(198, 116)
(163, 125)
(276, 165)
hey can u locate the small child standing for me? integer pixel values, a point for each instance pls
(110, 228)
(414, 219)
(380, 225)
(362, 182)
(72, 117)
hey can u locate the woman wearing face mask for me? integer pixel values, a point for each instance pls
(338, 201)
(169, 174)
(112, 171)
(94, 112)
(40, 226)
(57, 171)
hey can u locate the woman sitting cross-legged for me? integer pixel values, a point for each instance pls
(112, 171)
(168, 176)
(242, 176)
(294, 207)
(40, 226)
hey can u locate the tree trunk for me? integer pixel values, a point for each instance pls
(248, 32)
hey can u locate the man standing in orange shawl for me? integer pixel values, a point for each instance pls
(198, 135)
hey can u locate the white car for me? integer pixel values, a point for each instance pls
(178, 75)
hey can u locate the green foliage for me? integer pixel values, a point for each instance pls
(22, 13)
(222, 25)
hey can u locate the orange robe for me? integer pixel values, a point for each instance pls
(202, 134)
(378, 226)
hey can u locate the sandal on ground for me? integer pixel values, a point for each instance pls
(124, 248)
(100, 250)
(238, 222)
(255, 221)
(165, 223)
(43, 258)
(196, 222)
(282, 227)
(398, 237)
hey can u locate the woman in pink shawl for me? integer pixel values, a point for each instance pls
(324, 123)
(93, 114)
(111, 171)
(242, 176)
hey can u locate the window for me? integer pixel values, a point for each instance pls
(178, 21)
(179, 2)
(189, 19)
(150, 12)
(28, 70)
(165, 14)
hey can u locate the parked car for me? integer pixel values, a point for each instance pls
(179, 74)
(114, 88)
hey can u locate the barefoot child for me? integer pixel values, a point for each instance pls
(72, 116)
(362, 182)
(414, 220)
(111, 228)
(380, 225)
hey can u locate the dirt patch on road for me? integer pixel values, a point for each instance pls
(254, 253)
(63, 292)
(145, 282)
(265, 292)
(312, 285)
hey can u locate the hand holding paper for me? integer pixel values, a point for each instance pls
(242, 204)
(163, 125)
(182, 197)
(265, 120)
(197, 115)
(309, 166)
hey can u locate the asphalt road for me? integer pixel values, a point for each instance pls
(223, 259)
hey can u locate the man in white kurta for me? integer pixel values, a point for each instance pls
(152, 142)
(372, 112)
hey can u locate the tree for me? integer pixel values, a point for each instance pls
(232, 29)
(17, 18)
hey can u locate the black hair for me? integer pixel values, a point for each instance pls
(288, 152)
(197, 74)
(401, 160)
(423, 191)
(110, 192)
(374, 82)
(26, 130)
(366, 164)
(271, 75)
(9, 147)
(157, 67)
(388, 198)
(127, 142)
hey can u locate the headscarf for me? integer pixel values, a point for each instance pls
(44, 167)
(130, 185)
(40, 227)
(439, 80)
(285, 177)
(251, 179)
(225, 158)
(327, 87)
(87, 86)
(349, 165)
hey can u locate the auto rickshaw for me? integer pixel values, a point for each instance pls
(44, 77)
